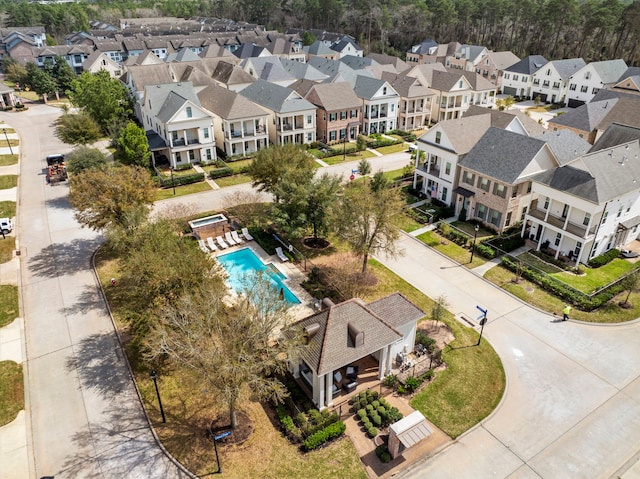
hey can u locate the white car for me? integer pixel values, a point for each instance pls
(5, 225)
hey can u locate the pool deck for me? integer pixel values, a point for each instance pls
(293, 277)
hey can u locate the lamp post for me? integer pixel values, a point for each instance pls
(172, 182)
(475, 235)
(155, 383)
(7, 138)
(344, 146)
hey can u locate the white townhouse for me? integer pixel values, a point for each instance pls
(179, 130)
(590, 79)
(379, 104)
(517, 79)
(551, 82)
(588, 206)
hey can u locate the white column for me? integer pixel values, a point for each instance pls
(329, 388)
(382, 367)
(320, 392)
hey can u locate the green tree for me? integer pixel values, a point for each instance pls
(505, 103)
(40, 81)
(365, 220)
(62, 73)
(84, 158)
(361, 143)
(112, 198)
(630, 284)
(305, 202)
(439, 309)
(13, 71)
(77, 129)
(232, 349)
(103, 98)
(308, 38)
(364, 167)
(270, 164)
(379, 181)
(133, 146)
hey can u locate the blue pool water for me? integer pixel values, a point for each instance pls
(244, 262)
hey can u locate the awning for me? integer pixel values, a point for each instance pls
(463, 192)
(630, 223)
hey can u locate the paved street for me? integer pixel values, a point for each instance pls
(83, 415)
(572, 403)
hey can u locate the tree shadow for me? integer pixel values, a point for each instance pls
(121, 445)
(64, 258)
(99, 362)
(90, 299)
(61, 203)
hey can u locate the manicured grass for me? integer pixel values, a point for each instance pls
(167, 173)
(7, 246)
(533, 294)
(232, 180)
(450, 249)
(333, 160)
(9, 309)
(469, 228)
(29, 95)
(406, 223)
(238, 166)
(539, 109)
(387, 150)
(536, 262)
(595, 278)
(8, 181)
(474, 381)
(12, 142)
(163, 194)
(7, 209)
(11, 391)
(7, 160)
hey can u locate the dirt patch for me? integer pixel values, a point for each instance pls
(240, 434)
(440, 332)
(316, 243)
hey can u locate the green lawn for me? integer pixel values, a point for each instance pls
(450, 249)
(9, 309)
(12, 142)
(406, 223)
(332, 160)
(7, 160)
(8, 181)
(238, 166)
(232, 180)
(7, 209)
(166, 173)
(11, 391)
(595, 278)
(6, 248)
(469, 228)
(533, 294)
(474, 382)
(164, 193)
(536, 262)
(387, 150)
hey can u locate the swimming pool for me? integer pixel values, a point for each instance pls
(244, 262)
(209, 220)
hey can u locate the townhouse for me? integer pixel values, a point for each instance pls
(517, 79)
(338, 116)
(379, 104)
(493, 64)
(590, 79)
(416, 101)
(551, 82)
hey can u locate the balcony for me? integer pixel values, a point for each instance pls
(433, 171)
(178, 142)
(193, 141)
(559, 222)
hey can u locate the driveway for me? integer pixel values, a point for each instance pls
(571, 408)
(83, 415)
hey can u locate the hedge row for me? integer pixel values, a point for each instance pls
(407, 135)
(563, 290)
(220, 172)
(292, 431)
(382, 142)
(330, 432)
(604, 258)
(181, 180)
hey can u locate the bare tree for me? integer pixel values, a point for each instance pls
(439, 309)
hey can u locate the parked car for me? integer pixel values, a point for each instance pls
(5, 225)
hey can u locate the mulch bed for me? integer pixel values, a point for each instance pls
(240, 434)
(316, 243)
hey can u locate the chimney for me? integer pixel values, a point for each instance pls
(356, 335)
(310, 331)
(327, 303)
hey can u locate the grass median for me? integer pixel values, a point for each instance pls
(11, 391)
(9, 309)
(450, 249)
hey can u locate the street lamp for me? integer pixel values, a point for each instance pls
(172, 182)
(344, 146)
(155, 383)
(475, 235)
(7, 138)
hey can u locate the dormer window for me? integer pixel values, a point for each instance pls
(189, 112)
(587, 75)
(384, 90)
(460, 84)
(548, 71)
(438, 137)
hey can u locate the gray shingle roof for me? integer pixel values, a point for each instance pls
(300, 70)
(367, 87)
(167, 99)
(629, 72)
(528, 65)
(268, 68)
(358, 63)
(625, 111)
(334, 96)
(406, 86)
(396, 310)
(571, 180)
(463, 133)
(228, 104)
(502, 154)
(565, 145)
(319, 48)
(586, 117)
(616, 134)
(330, 348)
(568, 67)
(342, 44)
(276, 98)
(424, 47)
(400, 65)
(504, 60)
(609, 70)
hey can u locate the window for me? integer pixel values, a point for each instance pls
(438, 136)
(515, 77)
(595, 90)
(178, 157)
(584, 89)
(468, 178)
(524, 213)
(384, 90)
(192, 155)
(332, 136)
(506, 76)
(619, 211)
(444, 193)
(536, 81)
(556, 85)
(309, 119)
(557, 240)
(604, 217)
(208, 153)
(548, 72)
(576, 251)
(525, 78)
(460, 84)
(483, 183)
(495, 217)
(514, 191)
(565, 211)
(309, 136)
(333, 116)
(447, 168)
(393, 105)
(481, 211)
(587, 75)
(586, 219)
(343, 115)
(507, 221)
(572, 87)
(354, 113)
(595, 249)
(499, 190)
(545, 83)
(189, 112)
(529, 187)
(205, 132)
(546, 203)
(343, 133)
(628, 207)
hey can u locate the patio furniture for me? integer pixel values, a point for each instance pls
(281, 255)
(350, 386)
(230, 241)
(352, 372)
(236, 237)
(211, 244)
(627, 253)
(337, 377)
(246, 234)
(203, 247)
(221, 242)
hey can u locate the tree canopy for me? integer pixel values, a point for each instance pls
(77, 129)
(133, 146)
(84, 158)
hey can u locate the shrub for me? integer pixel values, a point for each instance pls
(381, 410)
(604, 258)
(183, 167)
(292, 431)
(356, 404)
(377, 420)
(362, 413)
(381, 449)
(328, 433)
(366, 423)
(369, 407)
(302, 420)
(485, 251)
(373, 394)
(428, 375)
(375, 404)
(412, 383)
(372, 432)
(384, 403)
(220, 172)
(390, 380)
(385, 457)
(401, 389)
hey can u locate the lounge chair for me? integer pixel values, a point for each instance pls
(281, 255)
(229, 239)
(212, 245)
(236, 237)
(246, 234)
(203, 247)
(221, 242)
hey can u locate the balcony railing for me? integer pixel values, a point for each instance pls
(178, 142)
(433, 171)
(559, 222)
